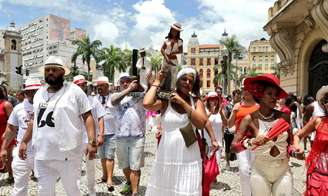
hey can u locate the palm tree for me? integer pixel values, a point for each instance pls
(112, 59)
(233, 47)
(87, 50)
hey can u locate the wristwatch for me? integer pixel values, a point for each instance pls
(92, 142)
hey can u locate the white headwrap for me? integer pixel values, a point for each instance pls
(186, 70)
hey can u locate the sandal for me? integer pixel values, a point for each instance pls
(101, 180)
(110, 188)
(10, 180)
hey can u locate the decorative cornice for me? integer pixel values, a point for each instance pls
(320, 15)
(282, 43)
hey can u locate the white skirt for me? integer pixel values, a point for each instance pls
(177, 170)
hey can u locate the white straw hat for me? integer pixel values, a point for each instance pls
(57, 62)
(79, 79)
(32, 84)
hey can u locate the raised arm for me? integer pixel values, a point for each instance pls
(117, 97)
(150, 100)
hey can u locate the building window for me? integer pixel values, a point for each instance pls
(201, 73)
(200, 61)
(208, 61)
(208, 83)
(193, 62)
(208, 73)
(193, 50)
(216, 71)
(216, 61)
(201, 83)
(13, 45)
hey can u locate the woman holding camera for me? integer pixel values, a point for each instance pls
(177, 169)
(317, 160)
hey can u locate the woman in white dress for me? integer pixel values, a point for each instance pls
(177, 169)
(214, 111)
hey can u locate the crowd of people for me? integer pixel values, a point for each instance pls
(58, 124)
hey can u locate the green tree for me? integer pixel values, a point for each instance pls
(86, 49)
(156, 61)
(228, 69)
(112, 59)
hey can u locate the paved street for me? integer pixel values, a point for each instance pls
(227, 185)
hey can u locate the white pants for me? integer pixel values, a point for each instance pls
(21, 172)
(47, 172)
(244, 164)
(271, 178)
(91, 174)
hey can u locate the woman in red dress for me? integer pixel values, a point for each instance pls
(317, 160)
(5, 110)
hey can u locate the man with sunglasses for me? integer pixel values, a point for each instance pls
(17, 125)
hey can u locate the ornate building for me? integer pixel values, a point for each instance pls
(298, 32)
(205, 58)
(10, 56)
(262, 58)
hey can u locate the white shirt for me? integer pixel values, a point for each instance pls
(110, 117)
(144, 62)
(318, 111)
(132, 117)
(97, 112)
(58, 124)
(175, 48)
(19, 117)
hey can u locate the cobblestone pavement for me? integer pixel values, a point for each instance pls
(227, 185)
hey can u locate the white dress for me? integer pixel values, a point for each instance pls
(216, 121)
(177, 170)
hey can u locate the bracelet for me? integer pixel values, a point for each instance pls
(157, 86)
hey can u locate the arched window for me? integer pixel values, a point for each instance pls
(208, 75)
(201, 73)
(13, 44)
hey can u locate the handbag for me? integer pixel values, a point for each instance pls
(188, 134)
(209, 165)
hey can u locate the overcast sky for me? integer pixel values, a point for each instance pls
(145, 23)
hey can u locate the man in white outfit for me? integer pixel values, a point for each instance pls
(98, 115)
(60, 110)
(130, 136)
(17, 125)
(144, 65)
(107, 150)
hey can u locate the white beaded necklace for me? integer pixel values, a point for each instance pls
(267, 117)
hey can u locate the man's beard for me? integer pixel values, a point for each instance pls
(58, 80)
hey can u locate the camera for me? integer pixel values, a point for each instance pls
(166, 95)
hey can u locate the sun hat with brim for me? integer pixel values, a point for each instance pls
(102, 80)
(55, 61)
(32, 84)
(251, 84)
(211, 95)
(79, 79)
(321, 93)
(176, 26)
(141, 50)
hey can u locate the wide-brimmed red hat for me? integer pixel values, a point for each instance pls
(250, 84)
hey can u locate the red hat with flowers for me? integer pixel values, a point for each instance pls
(255, 87)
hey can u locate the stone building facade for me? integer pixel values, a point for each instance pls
(298, 32)
(10, 56)
(262, 57)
